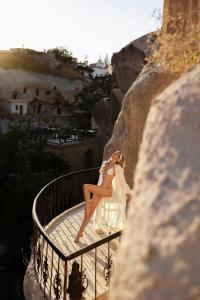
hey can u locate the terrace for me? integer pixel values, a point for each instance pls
(65, 269)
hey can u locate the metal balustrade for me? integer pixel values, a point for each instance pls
(81, 274)
(62, 135)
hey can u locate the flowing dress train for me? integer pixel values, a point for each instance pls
(111, 211)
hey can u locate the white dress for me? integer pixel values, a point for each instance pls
(111, 210)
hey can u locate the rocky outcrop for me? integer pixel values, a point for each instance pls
(126, 64)
(39, 62)
(106, 112)
(17, 80)
(159, 250)
(31, 286)
(128, 129)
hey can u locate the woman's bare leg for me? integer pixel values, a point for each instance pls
(86, 193)
(98, 193)
(95, 201)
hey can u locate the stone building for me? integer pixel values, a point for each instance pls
(189, 9)
(15, 106)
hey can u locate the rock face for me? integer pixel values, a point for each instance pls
(16, 79)
(159, 250)
(126, 64)
(189, 9)
(128, 129)
(106, 112)
(31, 286)
(38, 62)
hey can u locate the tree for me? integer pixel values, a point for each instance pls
(86, 60)
(99, 88)
(106, 60)
(62, 54)
(25, 167)
(99, 61)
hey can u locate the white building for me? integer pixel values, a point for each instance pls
(15, 106)
(99, 69)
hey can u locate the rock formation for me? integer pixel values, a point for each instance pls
(16, 79)
(39, 62)
(126, 64)
(106, 112)
(128, 129)
(31, 291)
(159, 250)
(188, 9)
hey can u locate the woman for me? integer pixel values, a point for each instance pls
(108, 195)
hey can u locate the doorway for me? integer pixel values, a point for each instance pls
(21, 109)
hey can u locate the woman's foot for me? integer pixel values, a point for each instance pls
(76, 240)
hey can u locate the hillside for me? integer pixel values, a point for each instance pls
(40, 62)
(16, 80)
(31, 70)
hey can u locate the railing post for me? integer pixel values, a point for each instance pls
(65, 282)
(51, 276)
(95, 274)
(50, 202)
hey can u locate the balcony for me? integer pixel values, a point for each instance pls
(61, 136)
(65, 269)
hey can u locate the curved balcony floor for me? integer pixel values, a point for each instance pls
(62, 230)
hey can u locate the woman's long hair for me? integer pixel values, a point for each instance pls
(122, 163)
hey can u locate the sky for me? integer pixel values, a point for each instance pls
(85, 27)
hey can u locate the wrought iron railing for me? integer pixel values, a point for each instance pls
(60, 276)
(62, 135)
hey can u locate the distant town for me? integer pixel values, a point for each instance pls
(25, 100)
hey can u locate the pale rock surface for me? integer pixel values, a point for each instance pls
(160, 246)
(16, 79)
(128, 129)
(126, 65)
(31, 286)
(106, 112)
(128, 62)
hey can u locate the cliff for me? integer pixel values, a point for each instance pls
(126, 65)
(17, 80)
(159, 249)
(39, 62)
(129, 126)
(33, 75)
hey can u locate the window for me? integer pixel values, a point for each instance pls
(16, 107)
